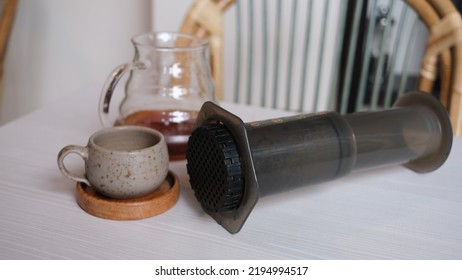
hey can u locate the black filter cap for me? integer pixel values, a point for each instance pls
(214, 168)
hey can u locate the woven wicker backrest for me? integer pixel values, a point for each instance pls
(333, 54)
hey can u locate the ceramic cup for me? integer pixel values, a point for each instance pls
(121, 162)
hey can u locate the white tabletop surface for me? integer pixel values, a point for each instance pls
(385, 213)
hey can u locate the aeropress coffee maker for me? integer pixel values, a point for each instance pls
(231, 164)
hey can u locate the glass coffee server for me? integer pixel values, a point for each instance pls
(169, 80)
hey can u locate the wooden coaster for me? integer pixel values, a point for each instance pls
(157, 202)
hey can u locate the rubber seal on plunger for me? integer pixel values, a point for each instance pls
(435, 160)
(214, 168)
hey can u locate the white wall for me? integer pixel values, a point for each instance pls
(169, 14)
(60, 47)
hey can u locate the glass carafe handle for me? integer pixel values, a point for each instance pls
(109, 87)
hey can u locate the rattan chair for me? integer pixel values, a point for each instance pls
(7, 12)
(357, 78)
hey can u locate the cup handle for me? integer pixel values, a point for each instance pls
(81, 151)
(109, 87)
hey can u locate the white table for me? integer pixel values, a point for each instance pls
(386, 213)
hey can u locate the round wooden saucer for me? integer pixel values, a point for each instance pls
(157, 202)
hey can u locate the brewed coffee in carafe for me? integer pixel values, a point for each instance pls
(169, 80)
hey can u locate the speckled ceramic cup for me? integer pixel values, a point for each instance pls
(121, 162)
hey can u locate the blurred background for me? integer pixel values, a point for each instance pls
(57, 48)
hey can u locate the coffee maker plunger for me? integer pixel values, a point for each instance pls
(169, 80)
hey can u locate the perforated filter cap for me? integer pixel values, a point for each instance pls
(214, 168)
